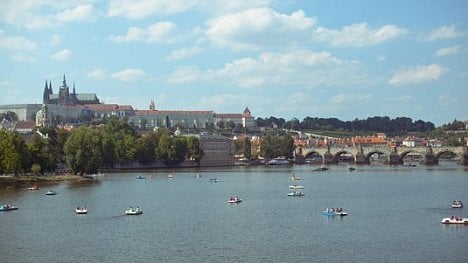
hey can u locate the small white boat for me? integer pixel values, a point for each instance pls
(457, 204)
(7, 207)
(334, 212)
(81, 210)
(134, 211)
(213, 180)
(458, 220)
(294, 177)
(234, 200)
(33, 188)
(50, 192)
(278, 161)
(296, 186)
(296, 193)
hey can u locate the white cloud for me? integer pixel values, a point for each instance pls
(359, 35)
(41, 14)
(229, 6)
(301, 68)
(448, 51)
(254, 28)
(443, 32)
(137, 9)
(21, 57)
(416, 75)
(184, 53)
(55, 40)
(157, 33)
(16, 42)
(9, 92)
(97, 74)
(77, 14)
(129, 74)
(62, 55)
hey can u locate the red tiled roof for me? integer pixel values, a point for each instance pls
(25, 125)
(108, 107)
(229, 115)
(154, 112)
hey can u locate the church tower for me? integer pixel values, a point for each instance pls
(64, 93)
(152, 106)
(45, 97)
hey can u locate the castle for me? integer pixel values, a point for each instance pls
(65, 98)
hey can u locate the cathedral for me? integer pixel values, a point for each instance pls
(65, 98)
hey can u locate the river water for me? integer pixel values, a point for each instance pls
(394, 215)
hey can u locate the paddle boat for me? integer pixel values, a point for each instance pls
(81, 210)
(50, 192)
(234, 200)
(457, 204)
(140, 177)
(296, 186)
(213, 180)
(294, 177)
(296, 193)
(334, 212)
(33, 188)
(456, 220)
(134, 211)
(7, 207)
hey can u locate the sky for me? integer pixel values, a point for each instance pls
(290, 59)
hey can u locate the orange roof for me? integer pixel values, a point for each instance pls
(108, 107)
(229, 115)
(368, 140)
(155, 112)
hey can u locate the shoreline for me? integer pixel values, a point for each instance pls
(27, 180)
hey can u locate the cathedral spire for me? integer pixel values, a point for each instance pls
(64, 82)
(74, 90)
(50, 88)
(45, 96)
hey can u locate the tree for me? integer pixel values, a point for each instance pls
(194, 150)
(171, 150)
(83, 150)
(13, 153)
(247, 148)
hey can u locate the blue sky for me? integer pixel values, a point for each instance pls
(344, 59)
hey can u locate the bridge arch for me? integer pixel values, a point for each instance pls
(336, 156)
(372, 152)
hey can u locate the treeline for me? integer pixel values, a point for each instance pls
(87, 149)
(399, 125)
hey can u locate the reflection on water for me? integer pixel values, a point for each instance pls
(393, 213)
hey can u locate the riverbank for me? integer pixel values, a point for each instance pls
(27, 180)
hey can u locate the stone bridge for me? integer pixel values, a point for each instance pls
(395, 155)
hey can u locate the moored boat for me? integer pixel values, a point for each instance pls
(81, 210)
(334, 212)
(7, 207)
(140, 177)
(213, 180)
(278, 161)
(134, 211)
(296, 193)
(33, 188)
(458, 220)
(457, 204)
(51, 192)
(234, 200)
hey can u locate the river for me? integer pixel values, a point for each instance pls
(394, 215)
